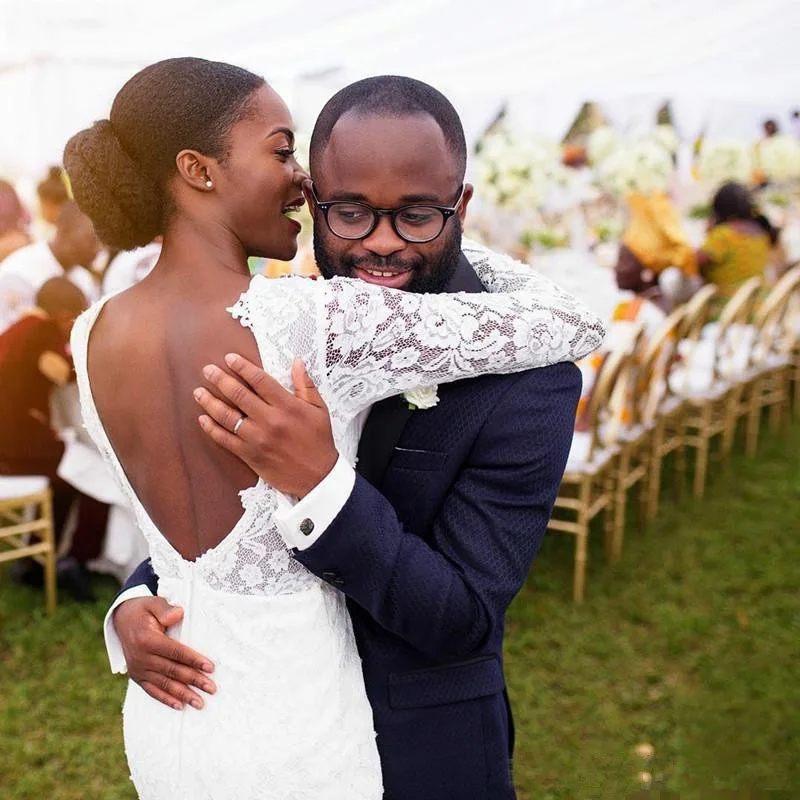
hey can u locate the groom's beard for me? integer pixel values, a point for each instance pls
(428, 276)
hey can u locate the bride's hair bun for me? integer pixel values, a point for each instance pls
(121, 167)
(123, 202)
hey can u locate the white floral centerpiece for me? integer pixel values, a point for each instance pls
(518, 173)
(644, 167)
(778, 157)
(723, 160)
(666, 136)
(522, 184)
(602, 142)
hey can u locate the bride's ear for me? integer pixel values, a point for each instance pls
(196, 169)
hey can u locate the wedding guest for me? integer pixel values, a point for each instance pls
(33, 361)
(14, 221)
(68, 254)
(654, 240)
(795, 123)
(771, 128)
(53, 197)
(739, 241)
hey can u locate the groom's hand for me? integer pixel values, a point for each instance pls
(285, 438)
(163, 667)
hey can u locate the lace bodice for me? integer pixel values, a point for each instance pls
(362, 343)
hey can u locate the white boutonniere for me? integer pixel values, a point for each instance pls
(422, 398)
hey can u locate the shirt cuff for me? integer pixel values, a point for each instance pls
(116, 657)
(302, 522)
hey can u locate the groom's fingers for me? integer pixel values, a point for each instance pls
(222, 436)
(263, 384)
(233, 390)
(304, 388)
(175, 701)
(218, 410)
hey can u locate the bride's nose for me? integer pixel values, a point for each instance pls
(300, 176)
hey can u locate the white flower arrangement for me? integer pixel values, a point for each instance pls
(779, 158)
(723, 160)
(644, 167)
(518, 173)
(666, 137)
(422, 398)
(602, 142)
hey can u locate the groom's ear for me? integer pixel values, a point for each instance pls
(462, 209)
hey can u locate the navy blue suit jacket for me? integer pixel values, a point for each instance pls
(448, 511)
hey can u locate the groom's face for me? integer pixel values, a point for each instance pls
(389, 162)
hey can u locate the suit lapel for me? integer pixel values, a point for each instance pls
(381, 434)
(386, 421)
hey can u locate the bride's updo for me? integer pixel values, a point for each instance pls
(119, 168)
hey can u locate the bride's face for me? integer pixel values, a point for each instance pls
(259, 179)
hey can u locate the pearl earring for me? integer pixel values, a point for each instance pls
(209, 184)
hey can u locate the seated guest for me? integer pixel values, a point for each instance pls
(653, 241)
(68, 254)
(14, 221)
(53, 198)
(739, 241)
(34, 360)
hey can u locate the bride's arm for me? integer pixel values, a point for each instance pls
(363, 342)
(380, 342)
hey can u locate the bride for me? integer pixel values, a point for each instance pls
(202, 152)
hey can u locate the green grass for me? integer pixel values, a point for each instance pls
(690, 644)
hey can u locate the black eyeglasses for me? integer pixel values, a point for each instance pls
(416, 223)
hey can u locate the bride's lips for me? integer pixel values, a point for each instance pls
(390, 278)
(293, 206)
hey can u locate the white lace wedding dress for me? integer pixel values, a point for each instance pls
(291, 718)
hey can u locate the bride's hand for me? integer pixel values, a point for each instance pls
(163, 667)
(285, 438)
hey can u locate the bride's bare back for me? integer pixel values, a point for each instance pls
(146, 355)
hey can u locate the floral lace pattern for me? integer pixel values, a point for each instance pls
(362, 343)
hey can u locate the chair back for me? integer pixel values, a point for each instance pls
(654, 363)
(735, 336)
(777, 332)
(613, 385)
(696, 312)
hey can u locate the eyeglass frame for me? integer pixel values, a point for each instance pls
(446, 211)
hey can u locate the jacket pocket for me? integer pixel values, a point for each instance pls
(450, 683)
(423, 460)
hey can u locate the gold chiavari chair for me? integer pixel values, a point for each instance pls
(588, 486)
(662, 409)
(26, 511)
(710, 380)
(769, 368)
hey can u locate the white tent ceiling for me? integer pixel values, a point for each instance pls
(724, 66)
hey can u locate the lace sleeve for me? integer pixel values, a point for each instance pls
(362, 343)
(380, 342)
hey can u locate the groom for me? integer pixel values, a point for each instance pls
(435, 534)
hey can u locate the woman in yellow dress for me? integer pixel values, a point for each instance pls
(738, 243)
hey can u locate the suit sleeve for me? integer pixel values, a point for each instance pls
(444, 594)
(142, 582)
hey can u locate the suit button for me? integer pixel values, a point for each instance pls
(306, 526)
(329, 576)
(338, 581)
